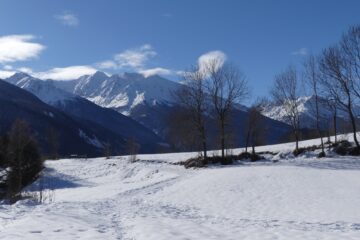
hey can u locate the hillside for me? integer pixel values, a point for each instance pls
(86, 111)
(73, 137)
(150, 101)
(297, 198)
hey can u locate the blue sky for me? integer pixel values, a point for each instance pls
(64, 39)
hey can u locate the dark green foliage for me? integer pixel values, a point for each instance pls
(252, 156)
(20, 155)
(354, 151)
(3, 146)
(342, 147)
(199, 162)
(299, 151)
(305, 149)
(321, 155)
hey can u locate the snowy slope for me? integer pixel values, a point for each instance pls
(302, 198)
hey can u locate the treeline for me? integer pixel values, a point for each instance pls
(333, 76)
(216, 88)
(20, 161)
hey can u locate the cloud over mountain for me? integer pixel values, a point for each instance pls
(14, 48)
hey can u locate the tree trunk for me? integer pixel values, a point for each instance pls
(353, 123)
(318, 123)
(203, 136)
(222, 139)
(322, 144)
(247, 141)
(335, 127)
(297, 140)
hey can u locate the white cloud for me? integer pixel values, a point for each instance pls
(180, 72)
(5, 74)
(15, 48)
(205, 59)
(65, 73)
(25, 70)
(109, 64)
(154, 71)
(68, 19)
(301, 52)
(135, 58)
(8, 67)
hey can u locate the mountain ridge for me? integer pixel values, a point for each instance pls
(84, 110)
(74, 137)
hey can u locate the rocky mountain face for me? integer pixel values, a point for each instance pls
(150, 101)
(86, 111)
(72, 136)
(139, 108)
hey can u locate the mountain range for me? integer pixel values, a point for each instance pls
(147, 100)
(307, 113)
(73, 137)
(133, 106)
(85, 111)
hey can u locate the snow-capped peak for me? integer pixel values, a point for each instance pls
(124, 91)
(307, 110)
(99, 75)
(44, 90)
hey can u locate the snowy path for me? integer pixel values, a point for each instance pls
(113, 199)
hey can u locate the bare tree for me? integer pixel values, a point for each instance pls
(311, 73)
(338, 79)
(193, 98)
(332, 105)
(227, 86)
(181, 132)
(286, 92)
(255, 128)
(350, 53)
(132, 148)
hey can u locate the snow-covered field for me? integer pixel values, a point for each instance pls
(297, 198)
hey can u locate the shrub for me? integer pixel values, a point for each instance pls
(197, 162)
(23, 160)
(354, 151)
(342, 148)
(321, 155)
(252, 156)
(299, 151)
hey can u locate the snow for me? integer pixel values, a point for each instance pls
(44, 90)
(91, 140)
(140, 98)
(295, 198)
(126, 91)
